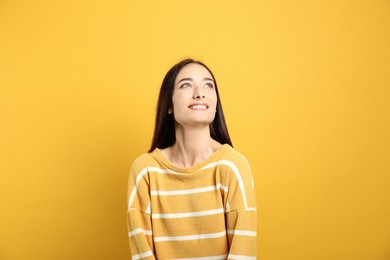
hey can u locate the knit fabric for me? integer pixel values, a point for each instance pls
(207, 211)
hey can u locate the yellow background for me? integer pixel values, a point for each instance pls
(306, 91)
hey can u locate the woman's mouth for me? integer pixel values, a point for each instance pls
(199, 106)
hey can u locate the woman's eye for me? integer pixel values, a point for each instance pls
(209, 85)
(185, 85)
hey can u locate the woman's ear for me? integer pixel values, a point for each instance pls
(170, 111)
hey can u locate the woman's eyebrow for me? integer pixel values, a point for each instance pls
(183, 79)
(190, 79)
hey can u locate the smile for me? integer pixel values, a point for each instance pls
(198, 107)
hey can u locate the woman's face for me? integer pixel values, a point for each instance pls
(194, 96)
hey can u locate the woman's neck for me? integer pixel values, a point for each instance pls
(192, 146)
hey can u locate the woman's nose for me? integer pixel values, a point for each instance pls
(198, 93)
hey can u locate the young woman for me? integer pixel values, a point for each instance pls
(192, 195)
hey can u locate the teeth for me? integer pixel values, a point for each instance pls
(198, 106)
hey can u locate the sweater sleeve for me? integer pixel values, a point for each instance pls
(138, 214)
(241, 215)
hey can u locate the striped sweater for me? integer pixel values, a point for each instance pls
(207, 211)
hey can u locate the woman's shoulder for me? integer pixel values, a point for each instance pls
(232, 154)
(143, 161)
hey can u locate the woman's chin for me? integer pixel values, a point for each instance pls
(195, 123)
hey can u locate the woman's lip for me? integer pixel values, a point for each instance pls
(199, 106)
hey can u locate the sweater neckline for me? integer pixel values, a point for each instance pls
(174, 167)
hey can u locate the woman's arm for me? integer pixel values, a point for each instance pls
(140, 235)
(242, 235)
(241, 214)
(138, 214)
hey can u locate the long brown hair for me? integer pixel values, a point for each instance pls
(164, 130)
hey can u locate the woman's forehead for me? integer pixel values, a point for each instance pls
(193, 70)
